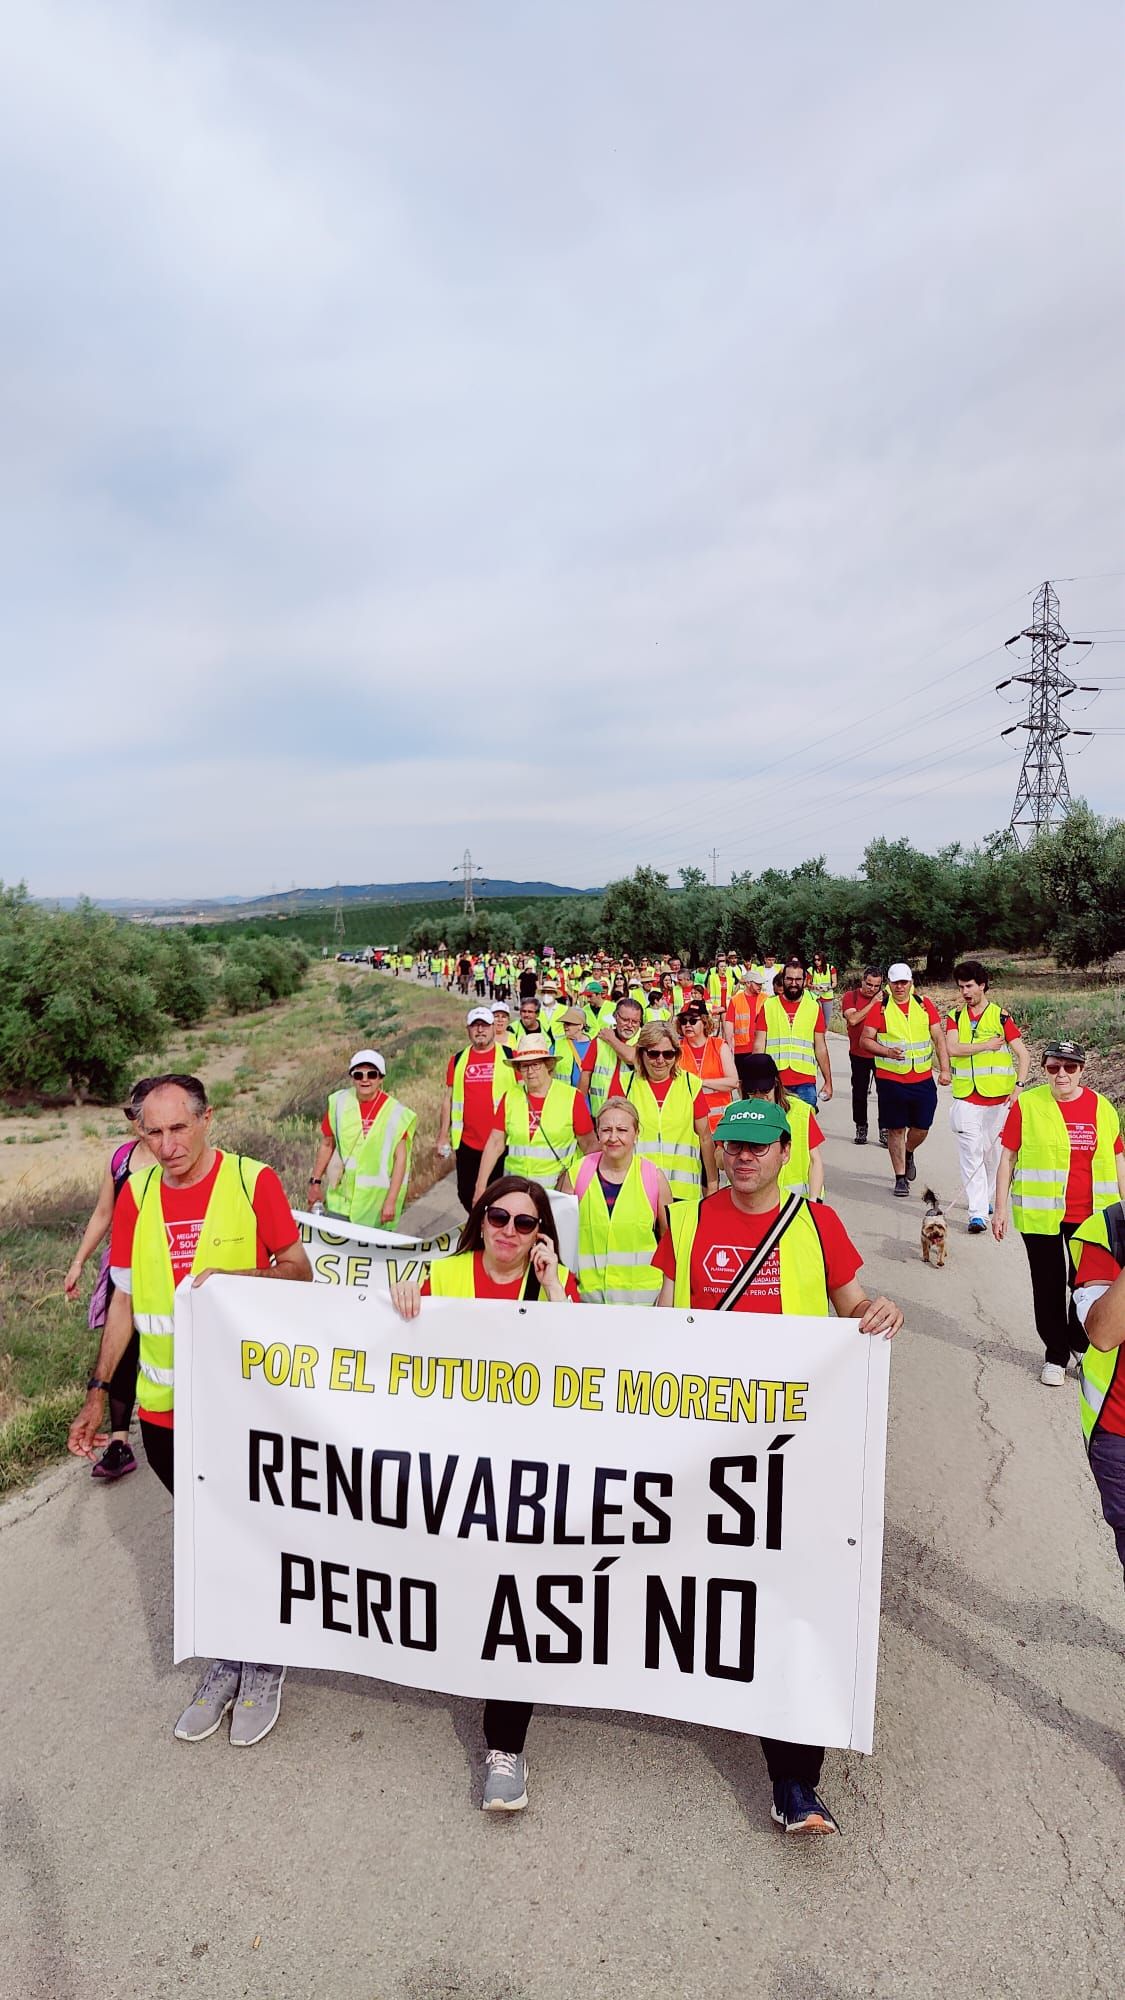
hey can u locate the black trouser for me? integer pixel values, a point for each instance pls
(468, 1159)
(1056, 1322)
(159, 1450)
(123, 1385)
(863, 1070)
(505, 1728)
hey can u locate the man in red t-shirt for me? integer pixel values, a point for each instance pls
(175, 1122)
(792, 999)
(471, 1075)
(856, 1007)
(1099, 1306)
(729, 1228)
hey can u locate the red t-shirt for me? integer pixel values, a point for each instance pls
(367, 1112)
(877, 1022)
(479, 1082)
(583, 1122)
(725, 1238)
(183, 1210)
(1097, 1267)
(659, 1090)
(1079, 1115)
(485, 1287)
(857, 998)
(1011, 1034)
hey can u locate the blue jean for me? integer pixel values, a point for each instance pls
(805, 1091)
(1107, 1463)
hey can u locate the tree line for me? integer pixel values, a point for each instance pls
(1065, 895)
(83, 995)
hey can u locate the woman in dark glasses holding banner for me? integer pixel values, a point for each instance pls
(508, 1249)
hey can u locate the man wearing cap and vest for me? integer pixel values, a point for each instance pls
(809, 1265)
(990, 1062)
(790, 1032)
(541, 1124)
(820, 979)
(610, 1047)
(741, 1019)
(374, 1137)
(1098, 1248)
(1061, 1161)
(474, 1081)
(904, 1033)
(195, 1213)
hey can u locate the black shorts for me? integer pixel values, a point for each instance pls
(905, 1104)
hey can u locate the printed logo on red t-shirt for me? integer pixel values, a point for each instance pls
(183, 1242)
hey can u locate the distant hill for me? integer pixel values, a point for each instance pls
(293, 900)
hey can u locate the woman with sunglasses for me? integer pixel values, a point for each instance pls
(675, 1134)
(508, 1249)
(129, 1158)
(1061, 1160)
(706, 1055)
(802, 1171)
(374, 1136)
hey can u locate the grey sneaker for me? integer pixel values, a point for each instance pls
(258, 1705)
(210, 1702)
(505, 1782)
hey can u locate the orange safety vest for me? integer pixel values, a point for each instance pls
(706, 1063)
(746, 1012)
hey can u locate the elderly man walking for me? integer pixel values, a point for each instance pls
(197, 1212)
(475, 1080)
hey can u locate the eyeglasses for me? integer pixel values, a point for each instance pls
(748, 1146)
(500, 1218)
(1053, 1067)
(662, 1055)
(365, 1075)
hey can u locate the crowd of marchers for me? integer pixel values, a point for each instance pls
(680, 1108)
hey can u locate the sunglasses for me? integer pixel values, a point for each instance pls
(1053, 1067)
(365, 1075)
(500, 1218)
(662, 1055)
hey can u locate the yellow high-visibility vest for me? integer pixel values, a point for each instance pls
(804, 1282)
(790, 1042)
(228, 1241)
(909, 1028)
(1097, 1370)
(991, 1074)
(615, 1246)
(668, 1136)
(503, 1078)
(554, 1148)
(1042, 1165)
(368, 1157)
(453, 1277)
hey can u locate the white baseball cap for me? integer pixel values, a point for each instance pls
(369, 1056)
(479, 1014)
(501, 1007)
(899, 971)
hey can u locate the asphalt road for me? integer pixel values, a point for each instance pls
(343, 1859)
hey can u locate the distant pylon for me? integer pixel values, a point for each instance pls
(1043, 792)
(338, 920)
(471, 880)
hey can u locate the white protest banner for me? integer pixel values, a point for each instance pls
(536, 1503)
(346, 1253)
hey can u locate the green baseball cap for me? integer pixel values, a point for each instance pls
(756, 1122)
(594, 986)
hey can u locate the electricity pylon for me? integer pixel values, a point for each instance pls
(1043, 792)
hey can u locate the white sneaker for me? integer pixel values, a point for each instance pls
(1052, 1375)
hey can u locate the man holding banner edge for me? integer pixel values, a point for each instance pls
(744, 1250)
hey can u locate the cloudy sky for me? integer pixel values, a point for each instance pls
(591, 433)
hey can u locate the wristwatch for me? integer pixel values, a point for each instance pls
(95, 1382)
(315, 1180)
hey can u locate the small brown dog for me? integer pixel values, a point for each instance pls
(935, 1230)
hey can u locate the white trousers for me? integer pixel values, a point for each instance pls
(977, 1129)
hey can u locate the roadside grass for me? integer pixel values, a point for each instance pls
(46, 1348)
